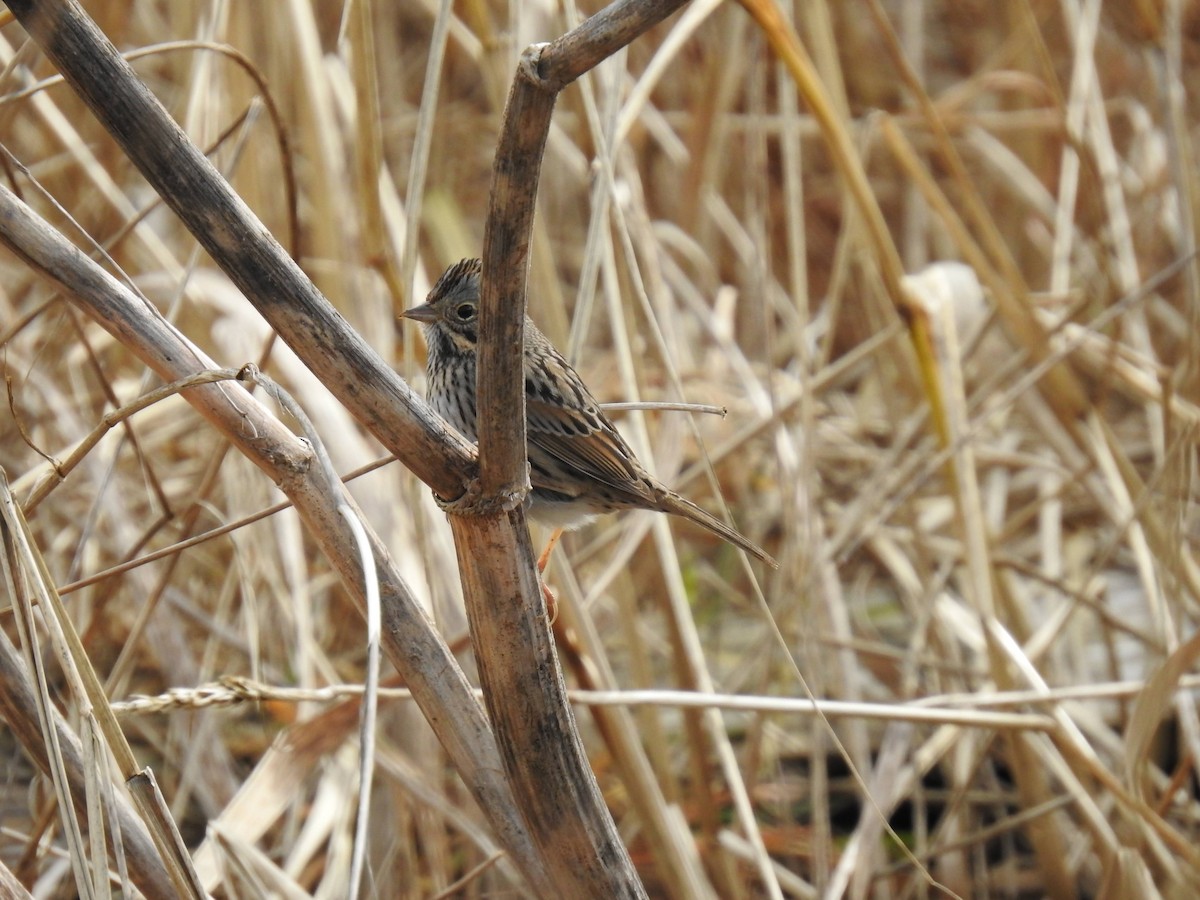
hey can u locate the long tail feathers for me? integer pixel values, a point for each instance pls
(673, 503)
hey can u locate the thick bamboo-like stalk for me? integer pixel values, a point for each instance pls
(524, 689)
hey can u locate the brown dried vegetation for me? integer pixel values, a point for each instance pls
(981, 488)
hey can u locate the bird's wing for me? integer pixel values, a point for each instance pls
(570, 439)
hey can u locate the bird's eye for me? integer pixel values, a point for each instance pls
(464, 311)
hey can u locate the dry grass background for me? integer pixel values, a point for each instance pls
(994, 577)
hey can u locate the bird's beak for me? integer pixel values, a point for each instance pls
(422, 313)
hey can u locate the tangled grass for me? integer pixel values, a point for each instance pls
(971, 674)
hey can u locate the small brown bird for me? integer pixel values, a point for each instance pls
(580, 466)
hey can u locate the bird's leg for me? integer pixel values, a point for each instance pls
(550, 545)
(551, 604)
(543, 560)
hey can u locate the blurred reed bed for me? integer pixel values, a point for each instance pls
(980, 480)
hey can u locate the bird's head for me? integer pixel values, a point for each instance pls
(452, 307)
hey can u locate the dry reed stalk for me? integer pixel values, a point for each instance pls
(989, 582)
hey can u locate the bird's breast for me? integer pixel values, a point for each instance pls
(452, 392)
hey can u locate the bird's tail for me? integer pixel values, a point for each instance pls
(681, 506)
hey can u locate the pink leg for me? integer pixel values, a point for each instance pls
(551, 600)
(550, 545)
